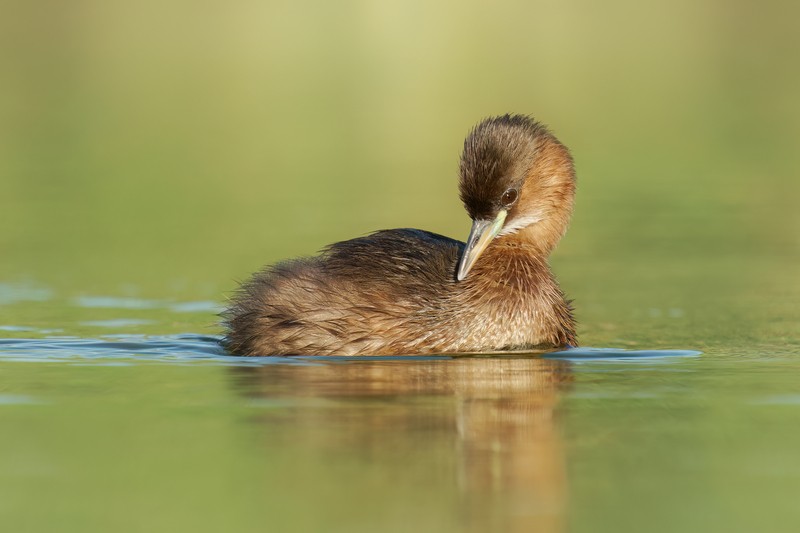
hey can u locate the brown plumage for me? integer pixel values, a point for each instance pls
(407, 291)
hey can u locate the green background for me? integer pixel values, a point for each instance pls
(154, 153)
(167, 149)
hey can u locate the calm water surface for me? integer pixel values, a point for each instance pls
(133, 431)
(151, 154)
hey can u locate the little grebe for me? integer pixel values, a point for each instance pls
(408, 291)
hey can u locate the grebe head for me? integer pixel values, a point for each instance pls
(517, 182)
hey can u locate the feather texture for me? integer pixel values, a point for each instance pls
(394, 292)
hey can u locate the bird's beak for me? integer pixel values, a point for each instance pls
(481, 234)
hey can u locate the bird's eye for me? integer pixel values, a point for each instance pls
(509, 197)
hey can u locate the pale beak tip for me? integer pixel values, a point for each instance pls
(481, 233)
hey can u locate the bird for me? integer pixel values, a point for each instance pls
(412, 292)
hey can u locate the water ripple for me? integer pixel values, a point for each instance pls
(114, 302)
(14, 293)
(172, 349)
(191, 348)
(588, 354)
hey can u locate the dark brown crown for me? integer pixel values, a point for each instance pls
(498, 154)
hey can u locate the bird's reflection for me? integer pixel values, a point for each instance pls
(496, 414)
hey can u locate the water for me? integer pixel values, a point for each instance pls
(131, 431)
(151, 155)
(471, 443)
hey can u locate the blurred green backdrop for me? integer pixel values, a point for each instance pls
(167, 149)
(152, 153)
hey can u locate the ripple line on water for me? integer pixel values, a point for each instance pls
(191, 348)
